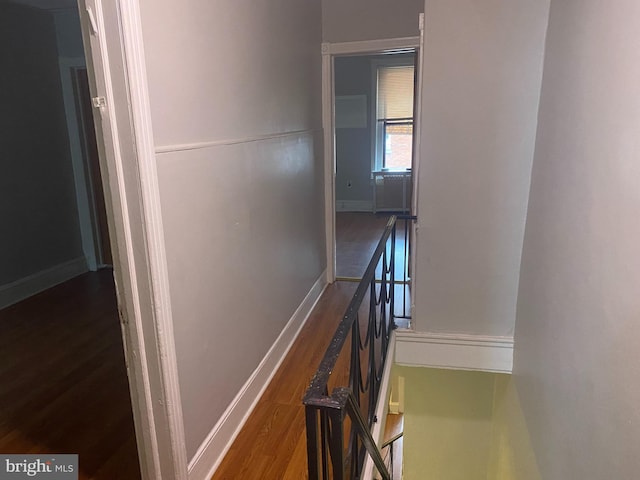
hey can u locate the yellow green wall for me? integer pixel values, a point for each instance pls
(462, 425)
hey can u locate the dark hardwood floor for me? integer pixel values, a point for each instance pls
(63, 381)
(357, 235)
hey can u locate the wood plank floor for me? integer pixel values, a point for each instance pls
(272, 443)
(63, 381)
(357, 235)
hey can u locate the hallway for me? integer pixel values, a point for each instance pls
(63, 381)
(272, 443)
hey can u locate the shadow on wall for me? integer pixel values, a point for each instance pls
(464, 425)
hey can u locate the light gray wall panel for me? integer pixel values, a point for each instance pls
(244, 216)
(244, 247)
(232, 69)
(348, 21)
(577, 329)
(483, 70)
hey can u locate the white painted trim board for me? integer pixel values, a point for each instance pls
(164, 352)
(211, 452)
(454, 351)
(329, 165)
(38, 282)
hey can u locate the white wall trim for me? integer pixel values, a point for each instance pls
(328, 121)
(232, 141)
(417, 160)
(454, 351)
(38, 282)
(215, 446)
(354, 206)
(164, 353)
(381, 45)
(130, 301)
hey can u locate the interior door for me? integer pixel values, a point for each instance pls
(93, 174)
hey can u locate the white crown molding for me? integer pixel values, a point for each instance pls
(454, 351)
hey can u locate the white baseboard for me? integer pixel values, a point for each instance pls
(354, 206)
(208, 457)
(454, 351)
(37, 282)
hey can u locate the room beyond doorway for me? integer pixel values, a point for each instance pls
(63, 380)
(373, 100)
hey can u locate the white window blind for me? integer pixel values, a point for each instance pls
(395, 92)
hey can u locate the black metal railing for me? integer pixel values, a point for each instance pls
(339, 423)
(389, 444)
(403, 268)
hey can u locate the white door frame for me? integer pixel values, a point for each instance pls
(329, 52)
(112, 36)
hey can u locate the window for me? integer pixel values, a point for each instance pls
(394, 118)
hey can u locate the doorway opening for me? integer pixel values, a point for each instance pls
(374, 116)
(63, 378)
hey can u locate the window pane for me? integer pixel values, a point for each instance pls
(398, 145)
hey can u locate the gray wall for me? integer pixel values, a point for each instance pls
(483, 70)
(38, 210)
(347, 21)
(353, 145)
(68, 33)
(243, 207)
(577, 330)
